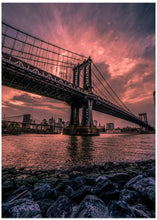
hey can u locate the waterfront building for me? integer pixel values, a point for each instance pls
(60, 122)
(110, 126)
(26, 121)
(51, 121)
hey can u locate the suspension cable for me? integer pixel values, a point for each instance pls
(111, 87)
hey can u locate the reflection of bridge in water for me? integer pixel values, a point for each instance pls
(33, 65)
(80, 150)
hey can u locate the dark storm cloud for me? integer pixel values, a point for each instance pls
(28, 100)
(149, 52)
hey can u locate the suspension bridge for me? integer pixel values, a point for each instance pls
(34, 65)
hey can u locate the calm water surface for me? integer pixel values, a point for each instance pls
(36, 151)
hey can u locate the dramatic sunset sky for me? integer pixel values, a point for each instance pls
(119, 37)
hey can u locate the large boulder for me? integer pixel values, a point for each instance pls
(21, 192)
(120, 178)
(110, 195)
(150, 172)
(42, 191)
(145, 187)
(141, 211)
(22, 208)
(8, 185)
(77, 182)
(103, 184)
(130, 183)
(119, 209)
(80, 193)
(91, 207)
(44, 205)
(90, 180)
(61, 208)
(68, 191)
(130, 196)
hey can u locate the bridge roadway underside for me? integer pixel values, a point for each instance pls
(24, 79)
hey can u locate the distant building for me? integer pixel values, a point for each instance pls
(60, 122)
(51, 121)
(26, 121)
(44, 122)
(67, 123)
(110, 126)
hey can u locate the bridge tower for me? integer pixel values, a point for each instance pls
(143, 117)
(86, 127)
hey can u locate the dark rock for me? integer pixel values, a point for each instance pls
(80, 193)
(141, 211)
(8, 185)
(130, 196)
(103, 184)
(77, 182)
(75, 173)
(120, 178)
(44, 205)
(129, 184)
(68, 191)
(61, 208)
(61, 186)
(20, 193)
(153, 213)
(52, 181)
(41, 191)
(119, 209)
(146, 188)
(12, 171)
(91, 207)
(22, 208)
(151, 172)
(90, 180)
(26, 180)
(110, 195)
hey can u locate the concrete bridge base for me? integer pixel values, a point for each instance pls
(81, 130)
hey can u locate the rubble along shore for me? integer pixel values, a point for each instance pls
(112, 190)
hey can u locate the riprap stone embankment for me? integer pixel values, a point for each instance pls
(124, 190)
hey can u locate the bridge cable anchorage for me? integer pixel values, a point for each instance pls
(111, 88)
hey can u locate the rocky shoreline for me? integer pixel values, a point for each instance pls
(123, 190)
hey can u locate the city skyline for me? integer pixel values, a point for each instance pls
(122, 44)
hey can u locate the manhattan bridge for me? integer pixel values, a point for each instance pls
(34, 65)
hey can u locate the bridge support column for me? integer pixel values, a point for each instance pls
(72, 115)
(84, 115)
(77, 116)
(86, 127)
(143, 117)
(90, 114)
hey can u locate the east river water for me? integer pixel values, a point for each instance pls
(42, 152)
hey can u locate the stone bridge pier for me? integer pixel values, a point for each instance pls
(85, 125)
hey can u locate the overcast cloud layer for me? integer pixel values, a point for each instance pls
(120, 38)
